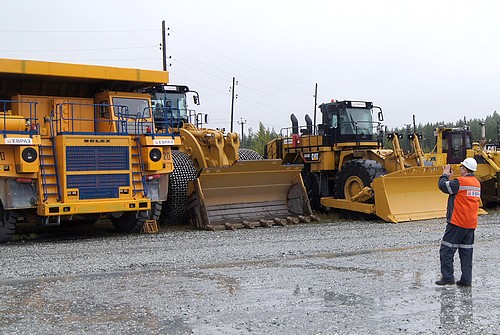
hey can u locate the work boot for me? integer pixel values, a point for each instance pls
(442, 282)
(463, 284)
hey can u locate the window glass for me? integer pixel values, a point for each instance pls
(103, 109)
(132, 108)
(174, 104)
(334, 121)
(350, 117)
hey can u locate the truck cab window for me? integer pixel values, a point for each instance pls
(132, 108)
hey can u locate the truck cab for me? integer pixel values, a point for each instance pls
(451, 145)
(169, 105)
(455, 144)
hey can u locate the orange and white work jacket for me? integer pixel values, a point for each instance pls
(464, 200)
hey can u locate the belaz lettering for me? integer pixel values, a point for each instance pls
(106, 140)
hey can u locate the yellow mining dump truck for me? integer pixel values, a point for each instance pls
(77, 143)
(346, 166)
(453, 145)
(216, 185)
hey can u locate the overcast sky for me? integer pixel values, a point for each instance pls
(437, 60)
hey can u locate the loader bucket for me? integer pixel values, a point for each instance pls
(410, 194)
(247, 194)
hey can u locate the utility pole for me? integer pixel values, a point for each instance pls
(315, 106)
(233, 96)
(164, 44)
(242, 122)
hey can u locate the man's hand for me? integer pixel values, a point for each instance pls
(447, 170)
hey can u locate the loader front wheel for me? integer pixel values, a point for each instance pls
(8, 221)
(312, 189)
(356, 175)
(174, 210)
(132, 222)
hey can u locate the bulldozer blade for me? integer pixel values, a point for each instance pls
(252, 193)
(410, 194)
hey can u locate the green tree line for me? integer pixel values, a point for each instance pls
(428, 141)
(257, 139)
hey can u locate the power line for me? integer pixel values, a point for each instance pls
(74, 31)
(235, 61)
(198, 69)
(269, 105)
(274, 95)
(197, 83)
(230, 73)
(257, 102)
(79, 50)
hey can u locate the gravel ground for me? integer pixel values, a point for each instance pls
(355, 277)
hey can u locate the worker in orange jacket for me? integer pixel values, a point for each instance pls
(462, 211)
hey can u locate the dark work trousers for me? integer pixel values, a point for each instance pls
(457, 238)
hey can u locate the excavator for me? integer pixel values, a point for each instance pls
(347, 167)
(217, 185)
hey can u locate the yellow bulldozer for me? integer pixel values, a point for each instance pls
(78, 143)
(453, 145)
(217, 185)
(347, 167)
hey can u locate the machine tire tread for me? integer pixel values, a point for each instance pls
(8, 221)
(133, 222)
(174, 209)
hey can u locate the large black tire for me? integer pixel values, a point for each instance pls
(249, 155)
(175, 208)
(133, 222)
(355, 175)
(8, 221)
(312, 189)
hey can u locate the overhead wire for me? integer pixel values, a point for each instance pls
(234, 60)
(239, 76)
(76, 31)
(80, 50)
(241, 97)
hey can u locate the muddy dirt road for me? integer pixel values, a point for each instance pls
(327, 278)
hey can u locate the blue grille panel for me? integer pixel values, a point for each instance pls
(98, 186)
(97, 158)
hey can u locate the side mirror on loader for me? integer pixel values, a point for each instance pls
(196, 98)
(380, 115)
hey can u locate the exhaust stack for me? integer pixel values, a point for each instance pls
(309, 124)
(295, 124)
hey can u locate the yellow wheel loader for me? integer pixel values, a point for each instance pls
(77, 143)
(453, 145)
(216, 185)
(346, 166)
